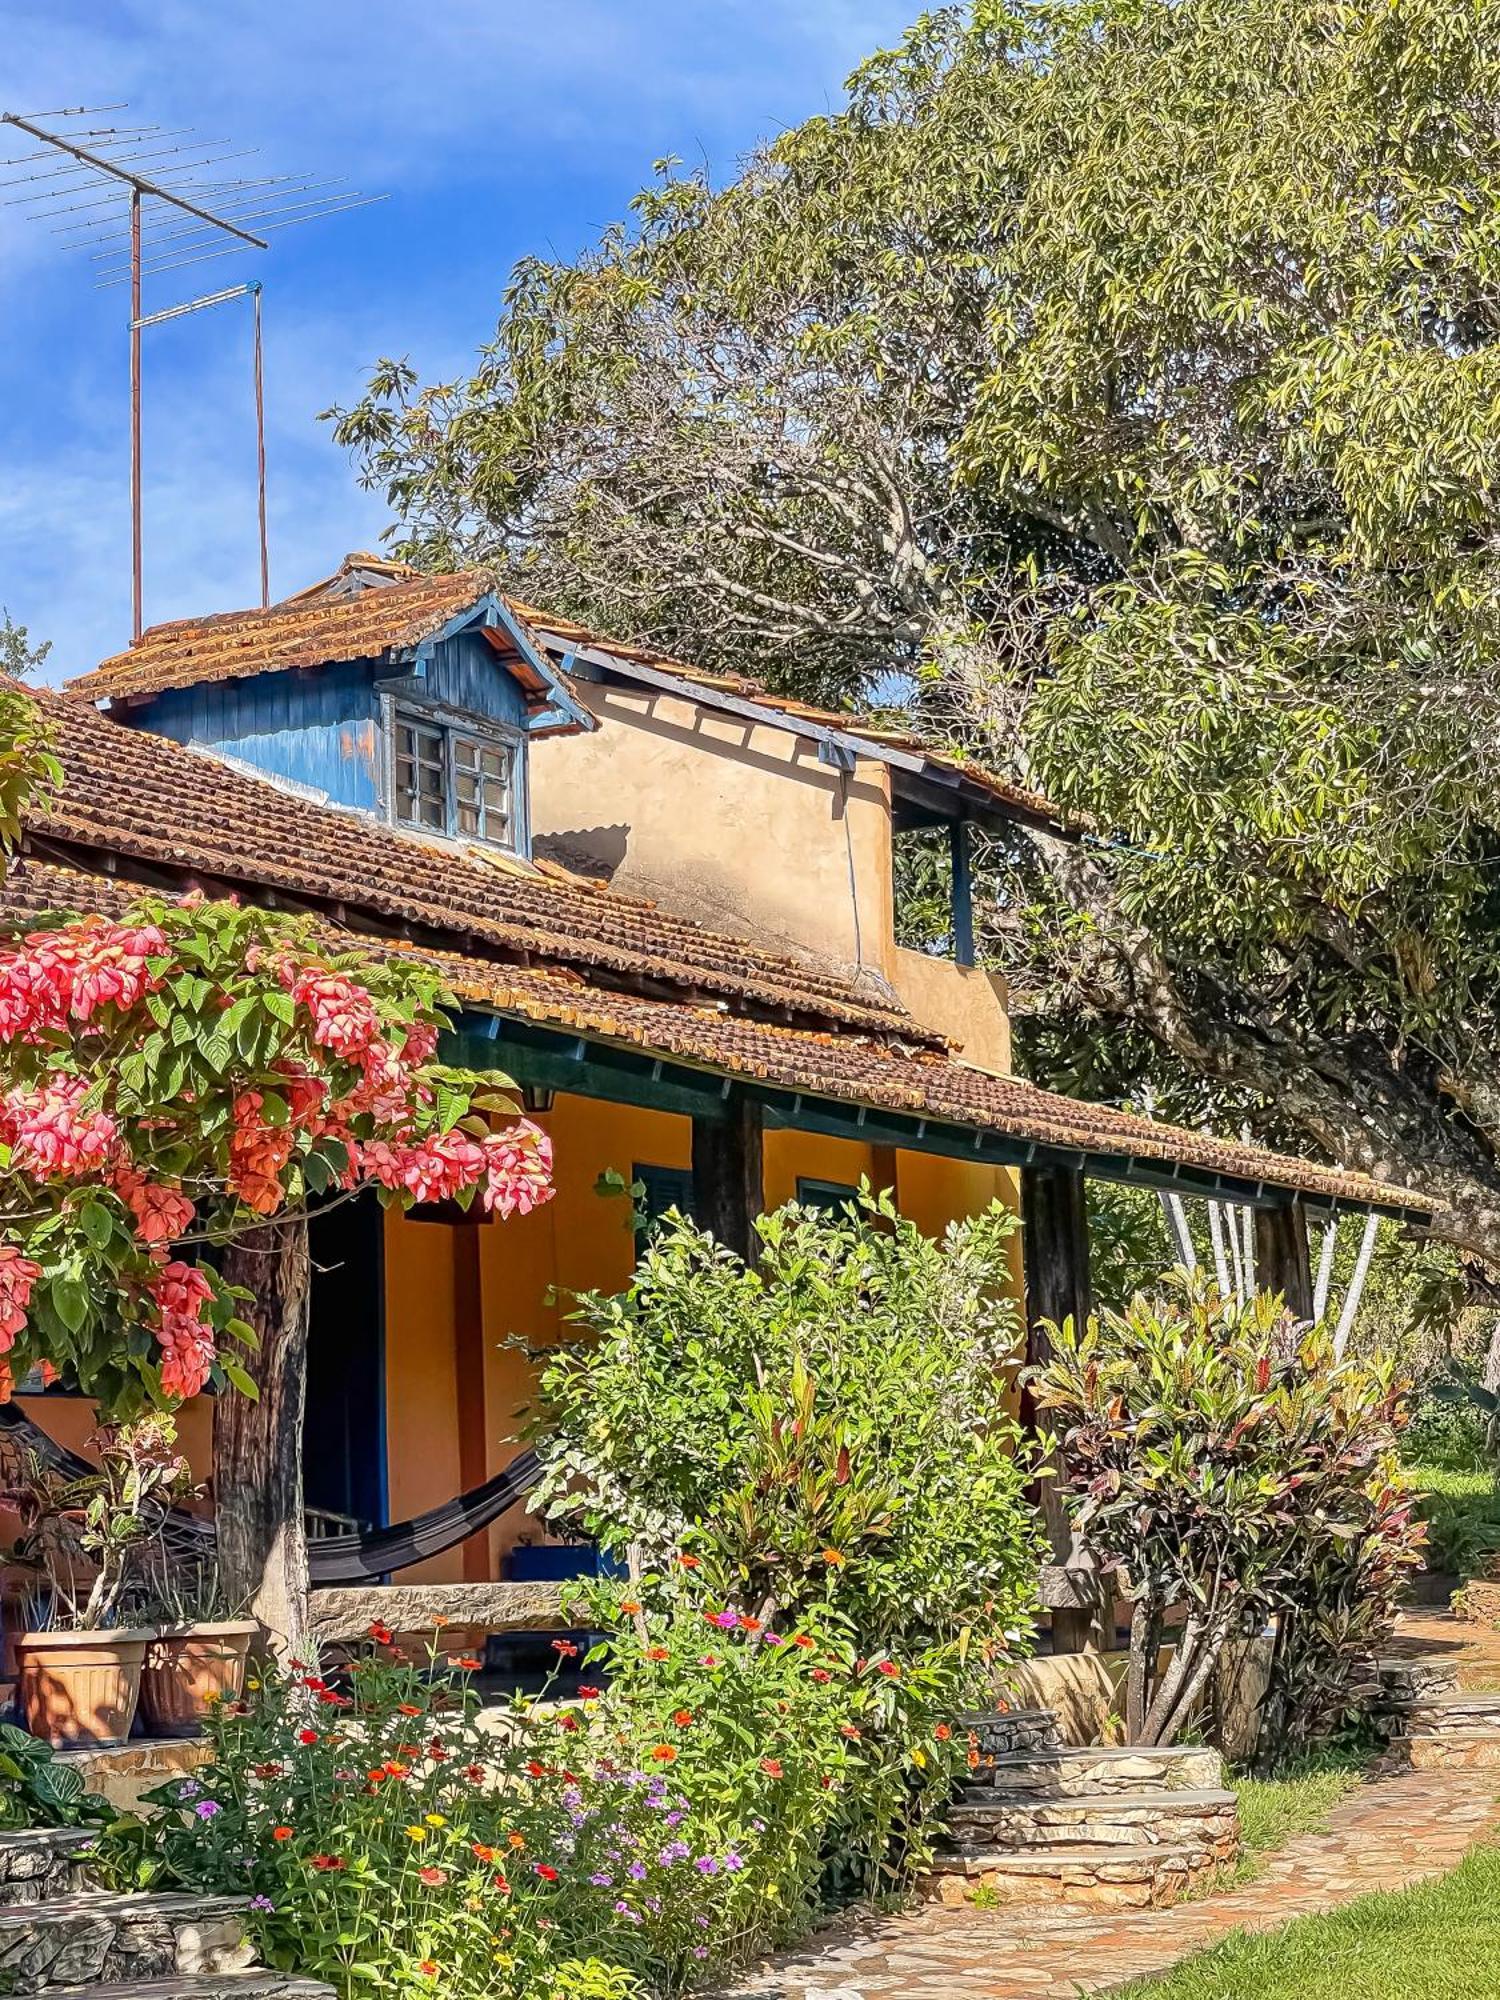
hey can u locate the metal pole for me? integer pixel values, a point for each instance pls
(135, 415)
(260, 457)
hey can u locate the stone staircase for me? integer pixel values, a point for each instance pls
(1434, 1721)
(64, 1939)
(1105, 1827)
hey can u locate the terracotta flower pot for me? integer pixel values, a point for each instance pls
(188, 1667)
(81, 1687)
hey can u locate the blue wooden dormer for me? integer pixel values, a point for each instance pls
(415, 700)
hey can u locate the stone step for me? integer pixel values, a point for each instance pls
(1100, 1878)
(1406, 1678)
(1009, 1732)
(36, 1863)
(1448, 1749)
(89, 1939)
(253, 1984)
(1459, 1709)
(1207, 1819)
(1102, 1768)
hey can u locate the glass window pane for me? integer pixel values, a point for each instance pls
(464, 753)
(433, 813)
(468, 820)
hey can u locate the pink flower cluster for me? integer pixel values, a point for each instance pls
(17, 1276)
(180, 1293)
(67, 975)
(51, 1133)
(512, 1169)
(162, 1214)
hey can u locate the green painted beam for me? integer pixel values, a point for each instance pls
(553, 1059)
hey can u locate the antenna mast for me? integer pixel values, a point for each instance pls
(223, 216)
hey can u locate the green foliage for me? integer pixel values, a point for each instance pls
(27, 767)
(19, 655)
(653, 1830)
(1235, 1470)
(37, 1790)
(1462, 1510)
(1126, 372)
(1292, 1798)
(829, 1428)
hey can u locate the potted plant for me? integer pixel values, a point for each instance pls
(199, 1652)
(79, 1668)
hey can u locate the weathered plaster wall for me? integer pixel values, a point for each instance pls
(734, 823)
(963, 1002)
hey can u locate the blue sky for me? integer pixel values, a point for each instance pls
(498, 127)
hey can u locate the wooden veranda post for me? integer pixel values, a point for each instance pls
(258, 1444)
(1283, 1262)
(729, 1174)
(1055, 1246)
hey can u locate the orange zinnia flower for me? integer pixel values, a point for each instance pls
(664, 1754)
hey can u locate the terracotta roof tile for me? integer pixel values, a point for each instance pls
(304, 632)
(845, 1067)
(137, 794)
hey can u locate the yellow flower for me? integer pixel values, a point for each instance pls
(436, 1819)
(416, 1833)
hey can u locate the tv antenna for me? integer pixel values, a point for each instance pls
(142, 200)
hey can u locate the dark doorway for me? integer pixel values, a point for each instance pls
(343, 1448)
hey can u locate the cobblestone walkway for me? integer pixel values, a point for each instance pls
(1390, 1833)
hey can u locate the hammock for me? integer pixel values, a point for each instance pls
(347, 1558)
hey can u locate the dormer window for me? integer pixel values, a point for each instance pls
(454, 779)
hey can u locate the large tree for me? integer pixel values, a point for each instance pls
(1124, 372)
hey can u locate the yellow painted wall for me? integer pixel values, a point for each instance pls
(579, 1241)
(732, 822)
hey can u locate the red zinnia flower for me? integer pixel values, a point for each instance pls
(502, 1885)
(682, 1717)
(427, 1969)
(381, 1634)
(406, 1708)
(281, 1833)
(771, 1768)
(821, 1674)
(658, 1653)
(889, 1668)
(307, 1735)
(474, 1773)
(433, 1877)
(749, 1624)
(566, 1648)
(547, 1874)
(536, 1770)
(469, 1665)
(588, 1694)
(567, 1722)
(690, 1562)
(483, 1853)
(848, 1729)
(328, 1863)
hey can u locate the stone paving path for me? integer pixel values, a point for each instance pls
(1387, 1835)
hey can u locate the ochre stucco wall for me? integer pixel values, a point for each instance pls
(963, 1002)
(579, 1241)
(732, 822)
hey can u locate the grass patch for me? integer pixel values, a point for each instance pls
(1462, 1512)
(1438, 1941)
(1295, 1800)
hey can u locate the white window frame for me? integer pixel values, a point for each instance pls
(457, 725)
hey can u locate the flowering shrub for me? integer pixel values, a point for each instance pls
(668, 1821)
(169, 1078)
(829, 1429)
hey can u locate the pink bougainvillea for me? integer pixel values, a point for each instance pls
(183, 1074)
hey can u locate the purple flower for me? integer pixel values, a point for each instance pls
(770, 1639)
(674, 1819)
(262, 1903)
(725, 1620)
(706, 1865)
(187, 1789)
(675, 1850)
(637, 1871)
(700, 1951)
(701, 1921)
(602, 1881)
(206, 1808)
(734, 1863)
(624, 1910)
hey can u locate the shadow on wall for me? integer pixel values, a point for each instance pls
(587, 850)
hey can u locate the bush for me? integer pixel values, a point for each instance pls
(672, 1821)
(1236, 1471)
(828, 1429)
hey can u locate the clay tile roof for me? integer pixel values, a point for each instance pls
(307, 631)
(131, 793)
(851, 1067)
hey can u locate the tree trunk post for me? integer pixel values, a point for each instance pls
(729, 1174)
(1055, 1249)
(1282, 1261)
(258, 1445)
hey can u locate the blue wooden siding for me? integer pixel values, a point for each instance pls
(463, 672)
(318, 727)
(322, 726)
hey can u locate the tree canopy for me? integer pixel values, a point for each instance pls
(1123, 374)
